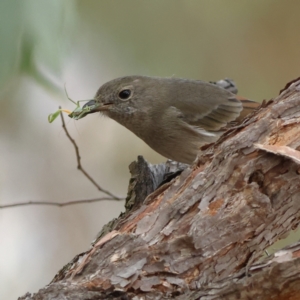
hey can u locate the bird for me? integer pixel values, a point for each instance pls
(174, 116)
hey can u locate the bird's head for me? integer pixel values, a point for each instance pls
(120, 98)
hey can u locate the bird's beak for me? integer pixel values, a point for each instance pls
(90, 107)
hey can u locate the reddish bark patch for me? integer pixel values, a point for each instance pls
(215, 206)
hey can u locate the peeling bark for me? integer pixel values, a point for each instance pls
(200, 235)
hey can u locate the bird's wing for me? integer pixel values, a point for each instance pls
(217, 117)
(211, 108)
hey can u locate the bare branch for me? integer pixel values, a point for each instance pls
(79, 166)
(73, 202)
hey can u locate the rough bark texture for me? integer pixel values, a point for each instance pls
(199, 235)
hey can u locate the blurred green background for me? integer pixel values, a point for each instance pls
(45, 44)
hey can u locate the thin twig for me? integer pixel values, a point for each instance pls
(57, 203)
(79, 166)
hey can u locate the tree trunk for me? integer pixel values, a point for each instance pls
(200, 234)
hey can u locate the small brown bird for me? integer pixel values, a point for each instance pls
(175, 117)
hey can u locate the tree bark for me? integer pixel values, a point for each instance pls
(199, 235)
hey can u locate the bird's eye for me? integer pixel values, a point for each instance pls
(125, 94)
